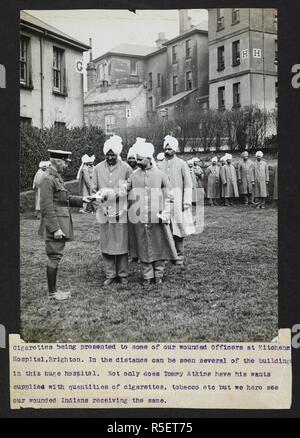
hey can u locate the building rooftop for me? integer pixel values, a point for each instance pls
(176, 98)
(113, 95)
(186, 34)
(36, 24)
(128, 50)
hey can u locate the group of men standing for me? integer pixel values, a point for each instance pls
(144, 210)
(225, 182)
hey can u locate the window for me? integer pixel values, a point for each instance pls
(236, 53)
(236, 94)
(150, 84)
(25, 73)
(150, 103)
(221, 59)
(109, 121)
(133, 67)
(59, 124)
(220, 19)
(189, 83)
(221, 98)
(25, 121)
(158, 80)
(188, 48)
(276, 53)
(235, 15)
(58, 70)
(174, 54)
(175, 84)
(276, 94)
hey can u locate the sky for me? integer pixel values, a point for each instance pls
(109, 28)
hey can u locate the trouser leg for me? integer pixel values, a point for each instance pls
(110, 265)
(54, 251)
(179, 246)
(148, 271)
(227, 202)
(122, 265)
(246, 199)
(262, 202)
(159, 267)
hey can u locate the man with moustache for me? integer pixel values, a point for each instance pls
(181, 182)
(109, 181)
(131, 158)
(56, 222)
(150, 201)
(244, 173)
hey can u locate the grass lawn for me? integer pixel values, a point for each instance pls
(227, 290)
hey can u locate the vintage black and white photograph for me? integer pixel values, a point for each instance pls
(148, 175)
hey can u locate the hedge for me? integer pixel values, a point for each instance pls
(35, 142)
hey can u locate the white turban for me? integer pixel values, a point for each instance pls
(214, 160)
(223, 158)
(84, 160)
(131, 152)
(196, 159)
(228, 157)
(259, 154)
(87, 159)
(144, 150)
(160, 156)
(114, 143)
(245, 154)
(171, 141)
(44, 164)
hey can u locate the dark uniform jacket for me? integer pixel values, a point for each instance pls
(55, 206)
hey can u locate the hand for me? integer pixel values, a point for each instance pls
(186, 207)
(87, 199)
(253, 183)
(59, 234)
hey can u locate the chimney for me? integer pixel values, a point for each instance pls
(184, 21)
(90, 51)
(161, 38)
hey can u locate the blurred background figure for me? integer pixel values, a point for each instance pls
(131, 158)
(260, 180)
(213, 186)
(244, 172)
(43, 166)
(85, 178)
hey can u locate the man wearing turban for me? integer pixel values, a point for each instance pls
(213, 188)
(109, 181)
(150, 204)
(179, 176)
(229, 181)
(131, 158)
(260, 180)
(85, 178)
(244, 172)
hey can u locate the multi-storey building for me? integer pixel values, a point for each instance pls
(51, 75)
(136, 85)
(242, 58)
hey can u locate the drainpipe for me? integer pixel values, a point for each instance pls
(42, 79)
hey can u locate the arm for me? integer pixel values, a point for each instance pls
(187, 186)
(239, 172)
(267, 174)
(223, 177)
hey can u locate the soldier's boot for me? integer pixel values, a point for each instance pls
(53, 293)
(51, 279)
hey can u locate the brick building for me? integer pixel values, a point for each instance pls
(134, 85)
(51, 79)
(242, 58)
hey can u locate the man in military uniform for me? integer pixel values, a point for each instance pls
(56, 222)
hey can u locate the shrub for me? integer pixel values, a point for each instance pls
(35, 142)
